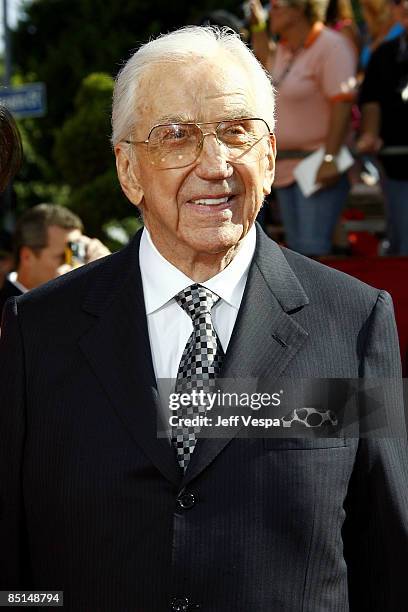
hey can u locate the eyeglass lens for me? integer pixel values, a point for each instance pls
(179, 144)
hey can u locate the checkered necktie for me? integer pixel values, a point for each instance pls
(200, 363)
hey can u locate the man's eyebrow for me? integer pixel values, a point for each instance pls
(230, 115)
(174, 119)
(241, 113)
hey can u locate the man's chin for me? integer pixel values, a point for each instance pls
(217, 239)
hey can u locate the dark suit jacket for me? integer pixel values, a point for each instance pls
(7, 291)
(94, 504)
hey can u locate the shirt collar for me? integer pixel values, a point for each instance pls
(313, 35)
(12, 277)
(162, 281)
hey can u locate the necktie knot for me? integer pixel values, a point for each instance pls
(196, 300)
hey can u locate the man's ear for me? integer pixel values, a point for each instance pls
(269, 174)
(27, 256)
(127, 174)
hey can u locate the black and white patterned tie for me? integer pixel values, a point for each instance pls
(200, 364)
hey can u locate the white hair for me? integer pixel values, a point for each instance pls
(184, 45)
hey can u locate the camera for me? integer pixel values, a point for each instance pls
(76, 254)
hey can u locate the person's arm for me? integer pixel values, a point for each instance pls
(335, 73)
(261, 44)
(372, 86)
(369, 140)
(13, 544)
(375, 533)
(350, 31)
(339, 125)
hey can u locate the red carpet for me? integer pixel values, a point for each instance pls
(389, 273)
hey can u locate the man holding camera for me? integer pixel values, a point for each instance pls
(48, 241)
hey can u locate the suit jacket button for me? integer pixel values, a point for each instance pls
(186, 501)
(180, 604)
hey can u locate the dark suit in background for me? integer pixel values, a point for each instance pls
(93, 503)
(7, 291)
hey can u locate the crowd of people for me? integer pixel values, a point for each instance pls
(336, 89)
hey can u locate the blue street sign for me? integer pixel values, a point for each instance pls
(25, 100)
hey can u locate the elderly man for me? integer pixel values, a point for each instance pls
(93, 501)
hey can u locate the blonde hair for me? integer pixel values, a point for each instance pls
(314, 10)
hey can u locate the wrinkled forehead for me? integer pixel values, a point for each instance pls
(198, 90)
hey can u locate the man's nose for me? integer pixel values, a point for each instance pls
(212, 162)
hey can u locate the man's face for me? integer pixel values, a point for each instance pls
(179, 225)
(44, 265)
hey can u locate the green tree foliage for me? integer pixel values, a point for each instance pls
(82, 150)
(62, 41)
(83, 155)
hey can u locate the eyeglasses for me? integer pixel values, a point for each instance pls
(176, 145)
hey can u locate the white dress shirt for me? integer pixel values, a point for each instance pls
(12, 277)
(169, 325)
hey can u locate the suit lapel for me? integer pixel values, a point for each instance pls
(118, 350)
(265, 336)
(264, 340)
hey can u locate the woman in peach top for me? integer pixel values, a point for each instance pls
(313, 69)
